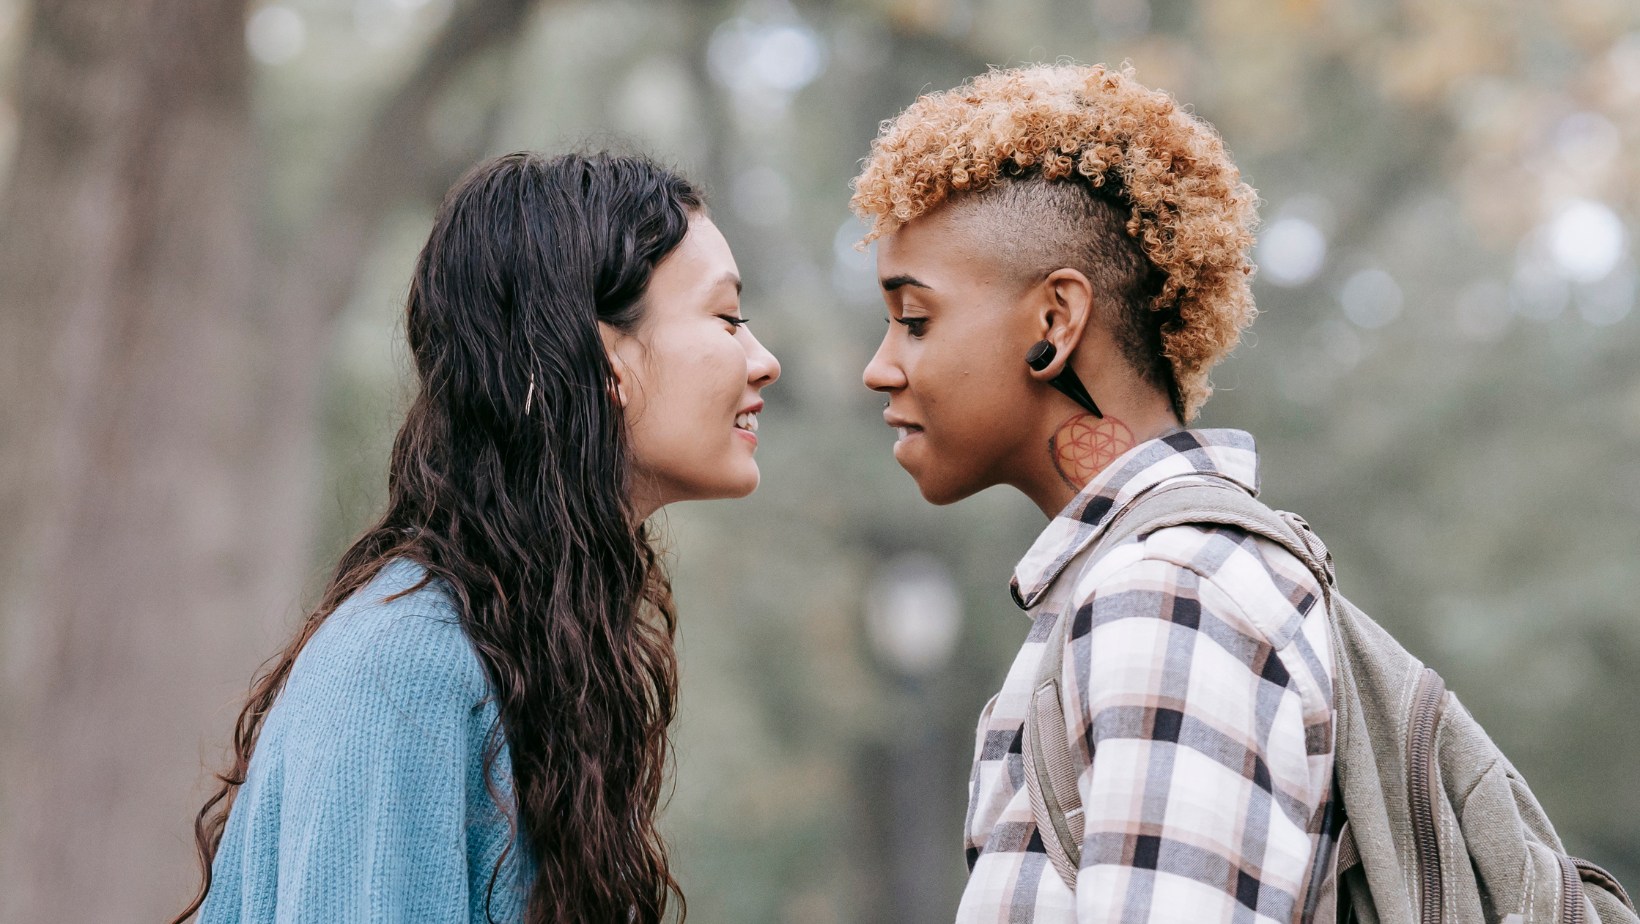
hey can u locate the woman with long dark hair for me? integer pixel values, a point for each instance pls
(472, 724)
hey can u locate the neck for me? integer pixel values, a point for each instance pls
(648, 496)
(1073, 446)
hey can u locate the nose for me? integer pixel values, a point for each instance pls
(883, 373)
(761, 367)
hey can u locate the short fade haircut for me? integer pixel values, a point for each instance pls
(1084, 168)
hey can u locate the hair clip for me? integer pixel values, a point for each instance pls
(1041, 355)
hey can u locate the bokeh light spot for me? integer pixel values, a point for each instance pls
(1371, 298)
(1588, 141)
(1585, 240)
(750, 56)
(1340, 343)
(275, 34)
(1291, 252)
(383, 23)
(1610, 300)
(914, 613)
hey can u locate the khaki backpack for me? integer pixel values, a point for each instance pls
(1440, 827)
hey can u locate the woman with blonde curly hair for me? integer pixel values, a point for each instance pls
(1063, 254)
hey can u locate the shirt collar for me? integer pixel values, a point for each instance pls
(1225, 453)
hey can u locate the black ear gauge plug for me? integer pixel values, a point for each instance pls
(1041, 355)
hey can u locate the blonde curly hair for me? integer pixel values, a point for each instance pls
(1188, 209)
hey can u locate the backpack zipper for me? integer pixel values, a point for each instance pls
(1589, 872)
(1571, 892)
(1427, 706)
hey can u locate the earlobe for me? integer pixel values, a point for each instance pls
(617, 384)
(1041, 357)
(1041, 360)
(617, 364)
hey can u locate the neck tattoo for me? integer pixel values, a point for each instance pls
(1084, 445)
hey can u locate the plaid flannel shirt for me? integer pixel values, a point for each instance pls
(1202, 664)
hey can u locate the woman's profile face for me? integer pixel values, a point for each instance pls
(690, 377)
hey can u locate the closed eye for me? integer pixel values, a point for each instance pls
(734, 321)
(914, 326)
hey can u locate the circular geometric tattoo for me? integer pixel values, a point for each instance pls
(1084, 445)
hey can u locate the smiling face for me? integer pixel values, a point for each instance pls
(689, 378)
(953, 362)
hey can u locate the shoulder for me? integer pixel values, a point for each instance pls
(1216, 605)
(1238, 575)
(397, 638)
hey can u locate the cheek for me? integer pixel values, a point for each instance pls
(692, 389)
(685, 372)
(710, 374)
(972, 405)
(968, 396)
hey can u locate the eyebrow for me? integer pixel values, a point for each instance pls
(732, 279)
(895, 282)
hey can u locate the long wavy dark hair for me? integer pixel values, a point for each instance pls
(518, 499)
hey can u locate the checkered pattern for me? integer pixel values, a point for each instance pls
(1201, 662)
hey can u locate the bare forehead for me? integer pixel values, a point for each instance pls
(706, 245)
(702, 260)
(970, 234)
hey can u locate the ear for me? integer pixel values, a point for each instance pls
(614, 343)
(1064, 309)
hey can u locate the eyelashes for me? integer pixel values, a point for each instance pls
(735, 322)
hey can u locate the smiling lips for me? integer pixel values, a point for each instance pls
(905, 428)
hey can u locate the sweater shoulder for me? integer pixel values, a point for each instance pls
(398, 637)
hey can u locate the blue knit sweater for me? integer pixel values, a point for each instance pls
(366, 799)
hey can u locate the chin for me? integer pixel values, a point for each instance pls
(937, 487)
(740, 484)
(941, 494)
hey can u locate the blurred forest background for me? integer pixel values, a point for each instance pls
(210, 216)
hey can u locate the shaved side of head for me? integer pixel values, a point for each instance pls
(1030, 226)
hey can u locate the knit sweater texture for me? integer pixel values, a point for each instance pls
(366, 799)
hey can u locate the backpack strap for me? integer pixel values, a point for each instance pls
(1050, 765)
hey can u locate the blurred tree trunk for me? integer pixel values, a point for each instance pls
(153, 469)
(157, 435)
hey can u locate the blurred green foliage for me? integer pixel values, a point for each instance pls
(1466, 443)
